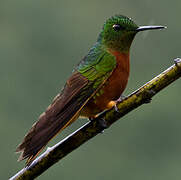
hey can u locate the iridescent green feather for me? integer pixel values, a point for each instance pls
(97, 65)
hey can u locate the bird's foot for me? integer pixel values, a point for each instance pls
(116, 108)
(121, 98)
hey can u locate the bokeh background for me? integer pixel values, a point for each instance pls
(40, 43)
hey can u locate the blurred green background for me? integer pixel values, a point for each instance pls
(41, 41)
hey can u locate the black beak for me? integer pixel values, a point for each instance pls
(144, 28)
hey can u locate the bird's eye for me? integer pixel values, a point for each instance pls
(117, 27)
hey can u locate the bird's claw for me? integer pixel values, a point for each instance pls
(121, 98)
(116, 108)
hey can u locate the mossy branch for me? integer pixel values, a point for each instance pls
(91, 129)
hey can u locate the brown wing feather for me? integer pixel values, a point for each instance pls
(64, 109)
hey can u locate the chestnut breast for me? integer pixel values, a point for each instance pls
(112, 89)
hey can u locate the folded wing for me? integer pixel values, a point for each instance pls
(79, 88)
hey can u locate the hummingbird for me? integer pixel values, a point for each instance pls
(94, 86)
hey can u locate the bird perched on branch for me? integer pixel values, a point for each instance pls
(94, 86)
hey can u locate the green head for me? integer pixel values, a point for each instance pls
(119, 31)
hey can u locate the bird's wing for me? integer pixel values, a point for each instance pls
(79, 88)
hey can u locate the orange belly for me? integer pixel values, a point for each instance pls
(112, 89)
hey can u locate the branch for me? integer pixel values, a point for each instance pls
(106, 119)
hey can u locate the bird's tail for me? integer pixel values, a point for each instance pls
(62, 112)
(39, 135)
